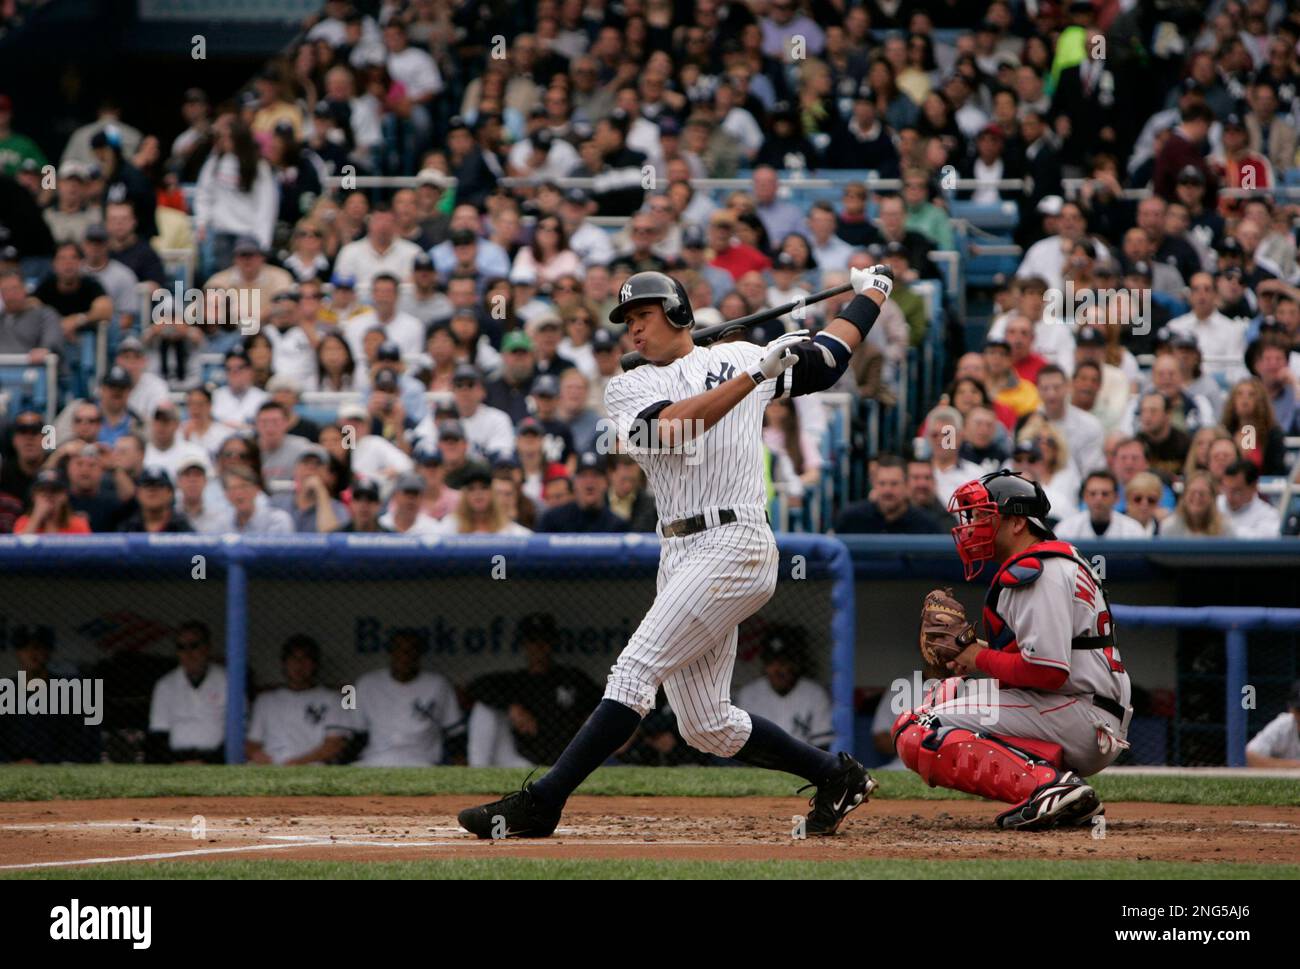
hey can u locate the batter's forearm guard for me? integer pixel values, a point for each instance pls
(862, 313)
(821, 363)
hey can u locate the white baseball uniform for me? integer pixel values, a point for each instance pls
(804, 712)
(406, 721)
(712, 580)
(289, 723)
(192, 717)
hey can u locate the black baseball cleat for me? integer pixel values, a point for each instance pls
(1064, 802)
(839, 794)
(517, 815)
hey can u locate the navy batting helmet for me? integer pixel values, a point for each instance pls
(653, 285)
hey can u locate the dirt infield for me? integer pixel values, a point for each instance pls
(48, 833)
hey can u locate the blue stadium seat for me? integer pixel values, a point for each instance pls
(27, 386)
(1000, 217)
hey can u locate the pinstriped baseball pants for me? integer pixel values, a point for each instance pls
(708, 583)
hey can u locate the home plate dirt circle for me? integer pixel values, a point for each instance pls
(172, 830)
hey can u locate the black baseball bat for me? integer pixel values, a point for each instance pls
(712, 334)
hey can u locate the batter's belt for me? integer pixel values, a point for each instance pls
(711, 518)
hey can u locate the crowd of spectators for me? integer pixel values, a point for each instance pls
(462, 317)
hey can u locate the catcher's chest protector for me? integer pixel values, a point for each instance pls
(1025, 568)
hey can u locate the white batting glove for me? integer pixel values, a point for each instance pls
(878, 277)
(780, 356)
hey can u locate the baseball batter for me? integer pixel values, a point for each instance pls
(1062, 708)
(692, 417)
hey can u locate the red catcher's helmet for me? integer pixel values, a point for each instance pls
(979, 507)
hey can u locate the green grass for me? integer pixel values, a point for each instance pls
(90, 782)
(545, 868)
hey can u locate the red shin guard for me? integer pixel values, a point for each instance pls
(1007, 770)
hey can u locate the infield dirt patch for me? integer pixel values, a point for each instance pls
(705, 828)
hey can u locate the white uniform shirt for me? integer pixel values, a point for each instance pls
(374, 457)
(192, 717)
(1079, 525)
(403, 329)
(289, 723)
(723, 468)
(229, 409)
(362, 261)
(1216, 335)
(170, 459)
(406, 721)
(145, 396)
(804, 712)
(490, 432)
(1281, 738)
(416, 71)
(1258, 519)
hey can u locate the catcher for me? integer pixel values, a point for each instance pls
(1062, 706)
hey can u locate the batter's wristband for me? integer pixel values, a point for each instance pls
(862, 313)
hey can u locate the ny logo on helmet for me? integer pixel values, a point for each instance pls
(625, 293)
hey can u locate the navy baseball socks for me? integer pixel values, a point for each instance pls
(771, 747)
(607, 729)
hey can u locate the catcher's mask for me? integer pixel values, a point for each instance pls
(979, 507)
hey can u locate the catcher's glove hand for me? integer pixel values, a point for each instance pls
(945, 633)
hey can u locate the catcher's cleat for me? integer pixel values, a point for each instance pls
(1065, 801)
(844, 790)
(517, 815)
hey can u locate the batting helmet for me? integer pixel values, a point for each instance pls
(653, 285)
(979, 507)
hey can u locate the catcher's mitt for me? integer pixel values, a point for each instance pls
(944, 630)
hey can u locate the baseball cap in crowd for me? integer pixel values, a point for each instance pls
(1140, 267)
(431, 176)
(590, 461)
(352, 412)
(1184, 341)
(465, 373)
(1089, 336)
(130, 344)
(602, 340)
(522, 276)
(154, 477)
(8, 254)
(476, 474)
(343, 282)
(505, 464)
(669, 127)
(529, 425)
(542, 321)
(247, 246)
(694, 237)
(538, 627)
(784, 261)
(1191, 175)
(192, 461)
(992, 130)
(389, 352)
(541, 139)
(283, 381)
(1234, 120)
(1029, 449)
(422, 263)
(554, 472)
(452, 430)
(1050, 205)
(1230, 247)
(287, 296)
(577, 196)
(367, 488)
(116, 377)
(514, 341)
(49, 480)
(997, 343)
(546, 386)
(96, 233)
(428, 457)
(462, 237)
(895, 250)
(386, 381)
(409, 481)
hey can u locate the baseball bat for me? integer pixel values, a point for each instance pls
(712, 334)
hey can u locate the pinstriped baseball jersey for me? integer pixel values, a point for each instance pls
(723, 468)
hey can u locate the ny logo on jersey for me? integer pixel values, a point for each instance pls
(428, 710)
(315, 713)
(725, 372)
(802, 726)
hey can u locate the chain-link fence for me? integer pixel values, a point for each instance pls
(377, 651)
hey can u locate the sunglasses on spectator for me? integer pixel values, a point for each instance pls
(1144, 499)
(232, 455)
